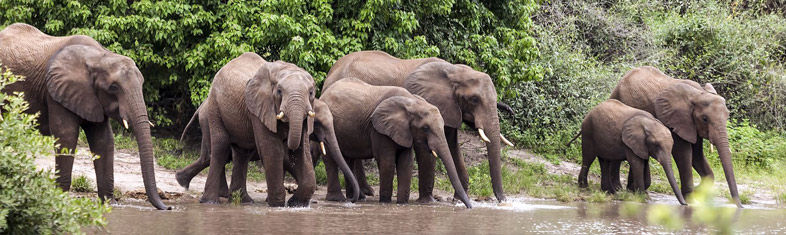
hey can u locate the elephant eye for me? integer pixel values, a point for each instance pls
(114, 87)
(278, 91)
(704, 118)
(425, 128)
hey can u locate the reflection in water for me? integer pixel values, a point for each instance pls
(514, 217)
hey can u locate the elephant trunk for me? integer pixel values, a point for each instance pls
(666, 163)
(721, 142)
(335, 153)
(493, 147)
(447, 160)
(296, 116)
(141, 125)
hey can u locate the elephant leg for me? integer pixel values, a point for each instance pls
(636, 172)
(451, 134)
(333, 185)
(587, 158)
(220, 152)
(360, 175)
(605, 179)
(101, 141)
(385, 154)
(66, 132)
(404, 174)
(646, 174)
(240, 160)
(425, 173)
(304, 173)
(614, 175)
(700, 161)
(185, 175)
(682, 151)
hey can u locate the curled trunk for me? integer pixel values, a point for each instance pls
(721, 142)
(144, 142)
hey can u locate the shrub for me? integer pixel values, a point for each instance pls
(31, 201)
(82, 184)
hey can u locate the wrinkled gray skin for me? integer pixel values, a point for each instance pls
(386, 123)
(323, 133)
(613, 132)
(693, 113)
(243, 108)
(73, 82)
(461, 94)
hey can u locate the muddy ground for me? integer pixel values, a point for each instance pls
(128, 179)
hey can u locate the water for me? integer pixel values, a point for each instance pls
(514, 217)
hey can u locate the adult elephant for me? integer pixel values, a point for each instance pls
(386, 123)
(266, 107)
(693, 112)
(74, 82)
(461, 94)
(323, 133)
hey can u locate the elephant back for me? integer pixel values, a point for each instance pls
(374, 67)
(228, 88)
(640, 87)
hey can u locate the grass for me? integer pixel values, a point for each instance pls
(82, 184)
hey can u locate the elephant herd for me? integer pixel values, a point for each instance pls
(372, 106)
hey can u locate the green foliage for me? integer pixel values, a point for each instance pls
(753, 147)
(82, 184)
(180, 45)
(36, 205)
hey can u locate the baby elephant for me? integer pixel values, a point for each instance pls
(613, 132)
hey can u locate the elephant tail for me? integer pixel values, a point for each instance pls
(193, 117)
(571, 140)
(505, 107)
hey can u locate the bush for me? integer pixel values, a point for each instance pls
(82, 184)
(31, 201)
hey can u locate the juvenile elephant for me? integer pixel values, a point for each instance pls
(461, 94)
(74, 82)
(386, 123)
(263, 107)
(323, 135)
(613, 132)
(693, 113)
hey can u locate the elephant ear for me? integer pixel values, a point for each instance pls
(433, 82)
(391, 118)
(634, 136)
(673, 106)
(69, 80)
(708, 87)
(259, 94)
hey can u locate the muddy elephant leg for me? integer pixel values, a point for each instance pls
(700, 161)
(425, 173)
(64, 126)
(304, 173)
(605, 178)
(360, 175)
(404, 174)
(587, 158)
(240, 158)
(220, 153)
(682, 152)
(101, 141)
(333, 184)
(614, 175)
(185, 175)
(636, 172)
(385, 153)
(451, 134)
(647, 176)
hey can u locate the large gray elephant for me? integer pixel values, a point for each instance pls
(323, 135)
(266, 107)
(613, 132)
(74, 82)
(693, 112)
(461, 94)
(386, 123)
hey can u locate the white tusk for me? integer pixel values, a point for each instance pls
(280, 115)
(712, 149)
(311, 114)
(505, 140)
(434, 153)
(151, 124)
(483, 136)
(125, 123)
(322, 145)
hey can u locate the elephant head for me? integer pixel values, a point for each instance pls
(94, 84)
(408, 119)
(463, 95)
(694, 112)
(281, 91)
(325, 134)
(646, 136)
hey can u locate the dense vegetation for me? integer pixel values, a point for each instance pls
(31, 202)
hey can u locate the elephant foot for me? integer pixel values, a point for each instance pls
(246, 199)
(385, 199)
(209, 200)
(294, 202)
(402, 201)
(182, 180)
(335, 197)
(368, 191)
(425, 199)
(361, 197)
